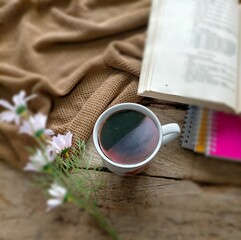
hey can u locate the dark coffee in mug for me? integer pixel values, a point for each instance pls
(128, 137)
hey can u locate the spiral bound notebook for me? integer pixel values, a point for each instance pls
(224, 140)
(213, 133)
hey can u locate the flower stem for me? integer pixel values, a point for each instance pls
(99, 217)
(102, 221)
(40, 143)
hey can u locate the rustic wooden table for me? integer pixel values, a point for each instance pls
(182, 195)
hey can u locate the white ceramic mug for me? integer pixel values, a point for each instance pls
(167, 133)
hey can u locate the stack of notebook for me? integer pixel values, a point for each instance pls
(213, 133)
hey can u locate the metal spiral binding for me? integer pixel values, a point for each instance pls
(188, 135)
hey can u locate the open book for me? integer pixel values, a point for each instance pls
(192, 53)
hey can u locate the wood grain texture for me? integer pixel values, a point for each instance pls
(140, 207)
(181, 196)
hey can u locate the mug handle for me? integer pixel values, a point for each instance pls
(170, 132)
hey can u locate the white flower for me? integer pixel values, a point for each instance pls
(39, 160)
(15, 111)
(35, 126)
(51, 153)
(61, 143)
(58, 193)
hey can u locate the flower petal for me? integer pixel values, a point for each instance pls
(17, 120)
(6, 104)
(18, 99)
(22, 94)
(31, 97)
(54, 193)
(49, 132)
(38, 158)
(51, 154)
(52, 203)
(57, 191)
(39, 121)
(61, 191)
(31, 167)
(26, 128)
(68, 139)
(7, 116)
(55, 147)
(59, 142)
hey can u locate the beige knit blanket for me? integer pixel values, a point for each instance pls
(79, 56)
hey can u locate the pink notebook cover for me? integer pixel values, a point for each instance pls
(224, 136)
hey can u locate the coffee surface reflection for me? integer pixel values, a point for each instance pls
(128, 137)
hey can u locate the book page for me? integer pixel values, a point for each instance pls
(196, 50)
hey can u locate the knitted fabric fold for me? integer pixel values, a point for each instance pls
(80, 57)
